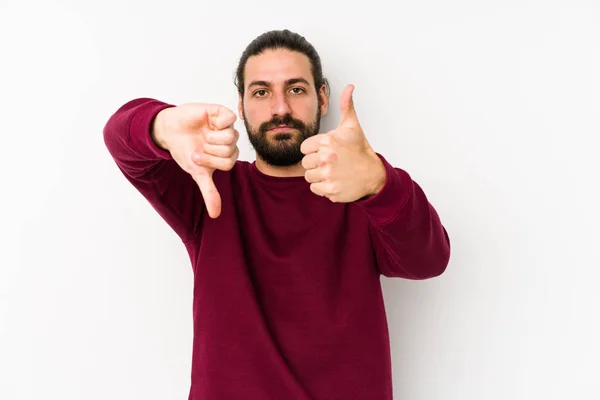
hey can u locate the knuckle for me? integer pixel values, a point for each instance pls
(200, 160)
(304, 163)
(202, 148)
(323, 157)
(332, 188)
(231, 136)
(228, 139)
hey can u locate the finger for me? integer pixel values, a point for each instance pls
(223, 151)
(319, 188)
(347, 105)
(311, 161)
(311, 145)
(214, 162)
(315, 175)
(220, 117)
(210, 194)
(226, 136)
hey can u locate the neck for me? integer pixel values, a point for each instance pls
(280, 172)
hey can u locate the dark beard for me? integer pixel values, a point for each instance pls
(281, 149)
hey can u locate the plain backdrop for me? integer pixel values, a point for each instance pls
(492, 106)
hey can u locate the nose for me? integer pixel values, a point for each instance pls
(279, 105)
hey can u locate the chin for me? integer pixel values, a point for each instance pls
(282, 135)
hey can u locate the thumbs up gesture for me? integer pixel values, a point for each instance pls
(340, 164)
(201, 139)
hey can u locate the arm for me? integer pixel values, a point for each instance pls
(408, 237)
(172, 192)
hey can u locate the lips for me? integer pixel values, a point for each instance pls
(280, 128)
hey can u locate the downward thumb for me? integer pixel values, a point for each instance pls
(210, 194)
(347, 104)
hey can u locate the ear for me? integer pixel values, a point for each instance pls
(240, 106)
(323, 100)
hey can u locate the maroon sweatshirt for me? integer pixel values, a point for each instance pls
(287, 300)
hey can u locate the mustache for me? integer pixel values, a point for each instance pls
(285, 120)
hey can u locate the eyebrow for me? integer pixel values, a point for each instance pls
(288, 82)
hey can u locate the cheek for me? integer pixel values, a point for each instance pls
(305, 110)
(254, 115)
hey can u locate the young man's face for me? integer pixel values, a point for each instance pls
(281, 106)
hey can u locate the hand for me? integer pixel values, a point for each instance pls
(341, 165)
(201, 139)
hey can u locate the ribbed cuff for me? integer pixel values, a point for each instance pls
(391, 199)
(139, 130)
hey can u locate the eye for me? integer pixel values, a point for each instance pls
(260, 93)
(298, 90)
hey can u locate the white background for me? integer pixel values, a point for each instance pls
(493, 107)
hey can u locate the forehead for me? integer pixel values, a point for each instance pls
(277, 66)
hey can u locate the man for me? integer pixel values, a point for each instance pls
(287, 251)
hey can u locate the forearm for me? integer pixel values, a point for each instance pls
(128, 138)
(408, 237)
(150, 169)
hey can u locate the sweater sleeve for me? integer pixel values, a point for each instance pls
(408, 237)
(151, 170)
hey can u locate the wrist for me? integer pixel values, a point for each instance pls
(157, 130)
(378, 177)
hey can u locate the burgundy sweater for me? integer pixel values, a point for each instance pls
(287, 300)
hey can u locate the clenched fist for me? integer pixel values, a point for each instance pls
(201, 139)
(341, 164)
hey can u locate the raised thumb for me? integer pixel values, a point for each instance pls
(347, 105)
(210, 194)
